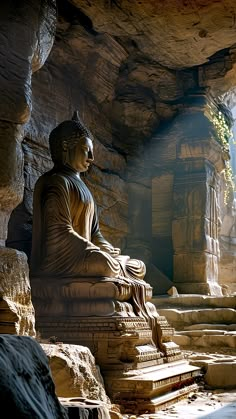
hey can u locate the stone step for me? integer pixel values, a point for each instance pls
(215, 326)
(152, 387)
(206, 332)
(206, 340)
(180, 318)
(200, 320)
(154, 405)
(193, 300)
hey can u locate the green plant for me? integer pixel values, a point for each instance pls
(222, 129)
(222, 134)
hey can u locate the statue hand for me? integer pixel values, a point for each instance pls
(108, 248)
(115, 251)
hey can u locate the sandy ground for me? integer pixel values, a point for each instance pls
(205, 404)
(215, 404)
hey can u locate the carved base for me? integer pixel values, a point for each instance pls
(69, 305)
(120, 344)
(101, 317)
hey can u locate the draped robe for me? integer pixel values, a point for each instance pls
(66, 237)
(67, 241)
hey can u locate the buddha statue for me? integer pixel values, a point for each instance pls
(68, 246)
(84, 291)
(67, 240)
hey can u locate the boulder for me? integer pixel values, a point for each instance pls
(26, 387)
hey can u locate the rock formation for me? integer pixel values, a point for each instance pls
(74, 372)
(130, 69)
(17, 315)
(26, 386)
(27, 33)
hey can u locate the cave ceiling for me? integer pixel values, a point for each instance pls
(138, 60)
(175, 33)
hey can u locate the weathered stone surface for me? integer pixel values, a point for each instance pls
(182, 34)
(218, 369)
(16, 309)
(26, 386)
(220, 77)
(74, 372)
(11, 172)
(221, 374)
(30, 27)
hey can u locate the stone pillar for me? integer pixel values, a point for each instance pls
(195, 228)
(196, 209)
(26, 35)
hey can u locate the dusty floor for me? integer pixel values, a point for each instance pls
(205, 404)
(215, 404)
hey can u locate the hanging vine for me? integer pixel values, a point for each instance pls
(223, 133)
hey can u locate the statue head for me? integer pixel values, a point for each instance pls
(70, 143)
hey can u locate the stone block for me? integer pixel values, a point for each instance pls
(221, 374)
(202, 268)
(190, 265)
(189, 234)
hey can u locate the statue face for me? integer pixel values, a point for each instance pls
(81, 156)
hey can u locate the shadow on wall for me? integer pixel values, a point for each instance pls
(20, 230)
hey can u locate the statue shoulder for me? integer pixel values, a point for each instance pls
(49, 179)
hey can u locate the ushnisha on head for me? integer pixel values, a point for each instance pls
(71, 144)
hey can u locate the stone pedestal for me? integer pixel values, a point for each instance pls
(98, 313)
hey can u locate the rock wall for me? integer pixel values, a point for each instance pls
(128, 67)
(26, 34)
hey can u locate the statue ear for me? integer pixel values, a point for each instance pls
(64, 146)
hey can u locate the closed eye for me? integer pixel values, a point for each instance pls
(86, 148)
